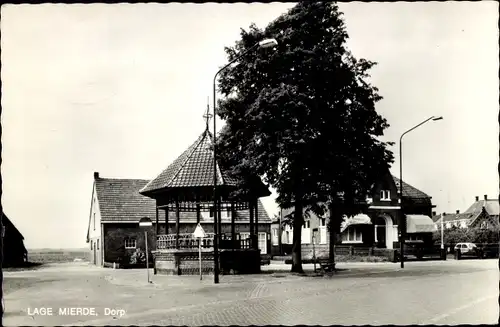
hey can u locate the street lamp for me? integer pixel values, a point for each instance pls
(402, 233)
(145, 223)
(266, 43)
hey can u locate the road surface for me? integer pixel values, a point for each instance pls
(431, 292)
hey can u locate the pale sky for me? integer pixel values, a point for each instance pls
(121, 89)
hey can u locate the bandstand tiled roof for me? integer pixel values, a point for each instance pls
(193, 168)
(120, 201)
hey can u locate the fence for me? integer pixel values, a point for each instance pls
(189, 242)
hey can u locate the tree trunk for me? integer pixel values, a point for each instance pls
(332, 232)
(298, 220)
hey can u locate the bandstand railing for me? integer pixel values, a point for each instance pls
(188, 241)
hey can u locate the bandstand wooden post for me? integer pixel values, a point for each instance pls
(166, 220)
(233, 227)
(177, 220)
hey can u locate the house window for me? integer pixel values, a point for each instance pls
(323, 222)
(275, 236)
(414, 238)
(307, 224)
(352, 235)
(385, 195)
(484, 225)
(130, 243)
(262, 242)
(98, 244)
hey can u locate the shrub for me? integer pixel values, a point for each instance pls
(474, 235)
(138, 257)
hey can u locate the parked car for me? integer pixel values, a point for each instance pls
(469, 249)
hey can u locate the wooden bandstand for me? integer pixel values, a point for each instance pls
(185, 190)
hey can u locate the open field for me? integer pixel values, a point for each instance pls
(56, 255)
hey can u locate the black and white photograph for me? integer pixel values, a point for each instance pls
(236, 164)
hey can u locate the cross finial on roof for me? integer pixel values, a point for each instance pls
(207, 115)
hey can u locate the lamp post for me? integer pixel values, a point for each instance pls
(402, 233)
(443, 253)
(145, 223)
(267, 43)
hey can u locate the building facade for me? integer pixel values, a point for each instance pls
(14, 251)
(377, 227)
(117, 206)
(481, 214)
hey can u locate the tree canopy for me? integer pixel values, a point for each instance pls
(302, 115)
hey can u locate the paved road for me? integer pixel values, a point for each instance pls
(449, 292)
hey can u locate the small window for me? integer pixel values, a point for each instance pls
(385, 195)
(323, 222)
(352, 235)
(130, 243)
(98, 244)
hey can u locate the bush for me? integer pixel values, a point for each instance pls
(473, 235)
(138, 257)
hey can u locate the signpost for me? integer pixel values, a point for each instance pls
(199, 233)
(145, 223)
(315, 230)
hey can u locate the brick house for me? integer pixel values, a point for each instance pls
(481, 214)
(378, 226)
(116, 207)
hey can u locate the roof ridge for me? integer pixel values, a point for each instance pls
(122, 179)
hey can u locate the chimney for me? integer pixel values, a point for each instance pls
(477, 198)
(433, 213)
(444, 214)
(458, 211)
(96, 175)
(485, 197)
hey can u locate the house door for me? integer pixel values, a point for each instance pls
(380, 240)
(95, 254)
(380, 233)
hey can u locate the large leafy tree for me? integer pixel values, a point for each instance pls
(303, 116)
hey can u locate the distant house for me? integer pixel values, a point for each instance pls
(481, 214)
(14, 251)
(378, 226)
(117, 206)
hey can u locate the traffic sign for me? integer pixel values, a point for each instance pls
(199, 232)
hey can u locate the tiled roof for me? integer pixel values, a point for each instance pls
(10, 228)
(120, 201)
(491, 205)
(410, 191)
(193, 168)
(454, 216)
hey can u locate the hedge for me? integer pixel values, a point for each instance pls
(473, 235)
